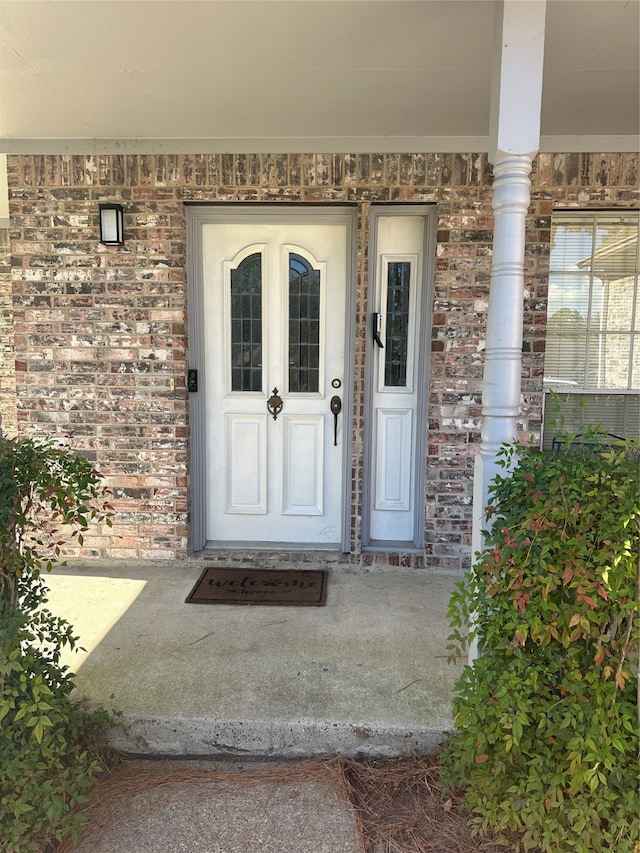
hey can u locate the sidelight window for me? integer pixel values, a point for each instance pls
(397, 323)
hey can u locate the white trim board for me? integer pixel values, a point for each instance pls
(312, 145)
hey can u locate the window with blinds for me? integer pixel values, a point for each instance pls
(592, 356)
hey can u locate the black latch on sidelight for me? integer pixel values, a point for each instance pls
(377, 329)
(192, 380)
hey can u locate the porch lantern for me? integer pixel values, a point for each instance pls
(112, 224)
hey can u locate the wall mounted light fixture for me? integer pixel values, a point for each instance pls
(112, 224)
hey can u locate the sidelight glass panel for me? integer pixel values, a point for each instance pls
(246, 325)
(304, 326)
(397, 324)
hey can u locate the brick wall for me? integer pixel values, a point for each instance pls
(8, 414)
(100, 332)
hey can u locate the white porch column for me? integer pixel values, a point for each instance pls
(503, 350)
(515, 137)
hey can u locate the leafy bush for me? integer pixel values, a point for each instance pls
(51, 748)
(547, 716)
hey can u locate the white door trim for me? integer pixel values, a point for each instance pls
(197, 216)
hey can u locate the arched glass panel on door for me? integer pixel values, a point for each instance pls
(304, 326)
(246, 325)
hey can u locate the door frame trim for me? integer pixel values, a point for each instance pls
(198, 215)
(430, 214)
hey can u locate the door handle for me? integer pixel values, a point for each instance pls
(336, 407)
(377, 329)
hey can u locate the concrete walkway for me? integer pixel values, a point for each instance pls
(219, 806)
(366, 674)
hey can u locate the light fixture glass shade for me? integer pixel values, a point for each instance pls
(112, 224)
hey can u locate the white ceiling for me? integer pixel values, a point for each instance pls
(343, 75)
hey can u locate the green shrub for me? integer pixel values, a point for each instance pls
(51, 749)
(547, 716)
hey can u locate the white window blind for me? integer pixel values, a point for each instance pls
(593, 323)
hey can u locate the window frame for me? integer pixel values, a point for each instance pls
(570, 395)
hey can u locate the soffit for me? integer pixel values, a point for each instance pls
(290, 75)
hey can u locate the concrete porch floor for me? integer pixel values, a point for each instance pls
(366, 674)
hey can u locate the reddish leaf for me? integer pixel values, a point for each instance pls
(621, 677)
(481, 759)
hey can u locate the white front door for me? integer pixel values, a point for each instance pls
(274, 359)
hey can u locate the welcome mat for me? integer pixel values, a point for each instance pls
(298, 588)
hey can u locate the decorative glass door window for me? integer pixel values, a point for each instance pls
(397, 323)
(246, 325)
(304, 326)
(397, 300)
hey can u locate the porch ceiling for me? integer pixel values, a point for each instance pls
(346, 75)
